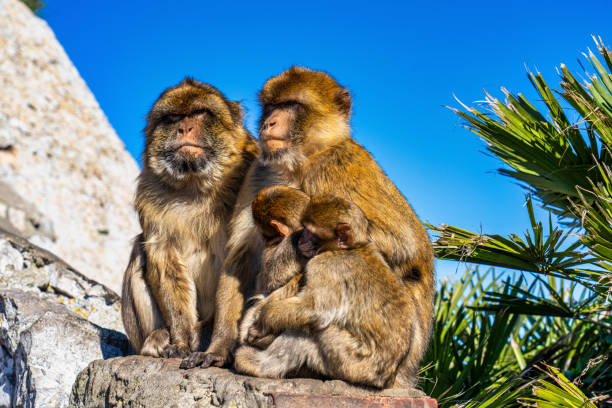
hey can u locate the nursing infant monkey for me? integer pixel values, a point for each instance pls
(343, 313)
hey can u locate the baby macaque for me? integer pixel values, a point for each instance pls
(345, 318)
(277, 212)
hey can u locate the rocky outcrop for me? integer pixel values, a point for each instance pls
(153, 382)
(47, 345)
(59, 154)
(53, 322)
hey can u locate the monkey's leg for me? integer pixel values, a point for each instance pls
(237, 278)
(139, 311)
(348, 358)
(175, 293)
(289, 352)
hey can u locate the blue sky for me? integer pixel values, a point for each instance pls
(402, 62)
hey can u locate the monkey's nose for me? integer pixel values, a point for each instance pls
(183, 129)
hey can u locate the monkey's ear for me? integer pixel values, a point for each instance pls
(343, 100)
(282, 229)
(345, 236)
(237, 110)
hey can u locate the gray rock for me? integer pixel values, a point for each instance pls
(138, 381)
(53, 322)
(59, 152)
(44, 346)
(20, 217)
(28, 268)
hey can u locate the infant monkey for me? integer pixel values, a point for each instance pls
(346, 319)
(277, 212)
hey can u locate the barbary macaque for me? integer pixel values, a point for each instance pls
(306, 143)
(196, 156)
(277, 212)
(348, 319)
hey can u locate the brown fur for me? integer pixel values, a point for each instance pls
(277, 212)
(351, 306)
(319, 157)
(196, 156)
(273, 208)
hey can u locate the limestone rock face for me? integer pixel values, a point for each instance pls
(53, 322)
(59, 153)
(47, 345)
(139, 381)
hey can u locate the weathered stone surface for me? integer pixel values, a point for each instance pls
(44, 346)
(20, 217)
(32, 269)
(138, 381)
(53, 322)
(59, 153)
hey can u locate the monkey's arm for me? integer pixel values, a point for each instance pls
(175, 295)
(296, 312)
(236, 281)
(139, 312)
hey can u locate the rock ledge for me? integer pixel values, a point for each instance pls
(138, 381)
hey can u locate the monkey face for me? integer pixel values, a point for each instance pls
(191, 132)
(303, 111)
(280, 131)
(309, 244)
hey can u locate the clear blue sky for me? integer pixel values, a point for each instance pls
(402, 61)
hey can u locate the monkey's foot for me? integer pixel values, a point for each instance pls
(203, 359)
(174, 351)
(193, 360)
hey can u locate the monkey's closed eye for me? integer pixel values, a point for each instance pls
(172, 118)
(201, 112)
(272, 241)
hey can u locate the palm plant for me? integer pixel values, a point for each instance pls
(523, 342)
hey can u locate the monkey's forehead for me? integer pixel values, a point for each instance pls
(301, 85)
(187, 98)
(281, 192)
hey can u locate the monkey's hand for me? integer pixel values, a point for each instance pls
(202, 359)
(263, 342)
(257, 334)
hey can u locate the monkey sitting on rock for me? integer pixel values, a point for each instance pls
(345, 318)
(196, 156)
(306, 142)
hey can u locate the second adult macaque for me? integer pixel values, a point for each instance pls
(346, 319)
(305, 136)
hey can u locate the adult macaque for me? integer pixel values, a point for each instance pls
(196, 156)
(306, 143)
(348, 321)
